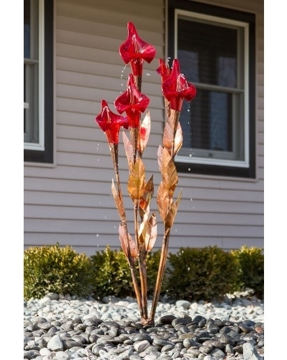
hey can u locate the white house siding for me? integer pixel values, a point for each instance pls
(71, 202)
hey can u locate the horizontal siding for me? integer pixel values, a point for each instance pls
(103, 199)
(114, 14)
(96, 55)
(104, 227)
(117, 73)
(66, 117)
(71, 203)
(100, 183)
(89, 87)
(97, 242)
(101, 213)
(67, 174)
(90, 174)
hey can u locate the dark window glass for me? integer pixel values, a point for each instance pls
(27, 23)
(208, 53)
(213, 128)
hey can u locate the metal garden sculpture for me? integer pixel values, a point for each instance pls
(133, 103)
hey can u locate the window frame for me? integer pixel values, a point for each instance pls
(42, 151)
(210, 13)
(40, 98)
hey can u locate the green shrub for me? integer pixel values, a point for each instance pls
(55, 269)
(192, 274)
(112, 276)
(251, 269)
(152, 269)
(201, 274)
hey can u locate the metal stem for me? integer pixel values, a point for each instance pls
(138, 82)
(114, 154)
(160, 274)
(141, 266)
(173, 120)
(143, 278)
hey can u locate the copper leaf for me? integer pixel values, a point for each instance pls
(136, 181)
(119, 202)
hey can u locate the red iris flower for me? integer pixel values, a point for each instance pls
(163, 69)
(175, 88)
(132, 102)
(110, 123)
(135, 51)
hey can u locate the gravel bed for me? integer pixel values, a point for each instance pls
(70, 328)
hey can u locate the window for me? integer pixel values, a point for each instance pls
(38, 81)
(216, 50)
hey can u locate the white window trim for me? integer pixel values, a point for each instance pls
(219, 20)
(40, 146)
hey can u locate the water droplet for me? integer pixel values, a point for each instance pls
(190, 155)
(188, 169)
(123, 70)
(97, 235)
(191, 199)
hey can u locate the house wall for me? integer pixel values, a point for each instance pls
(70, 202)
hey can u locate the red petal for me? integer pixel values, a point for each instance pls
(131, 100)
(163, 69)
(176, 88)
(110, 123)
(133, 118)
(135, 50)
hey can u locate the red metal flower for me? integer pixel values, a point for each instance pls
(134, 50)
(163, 69)
(176, 88)
(132, 102)
(110, 123)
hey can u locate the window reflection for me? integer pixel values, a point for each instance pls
(27, 27)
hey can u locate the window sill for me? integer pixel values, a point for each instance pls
(227, 172)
